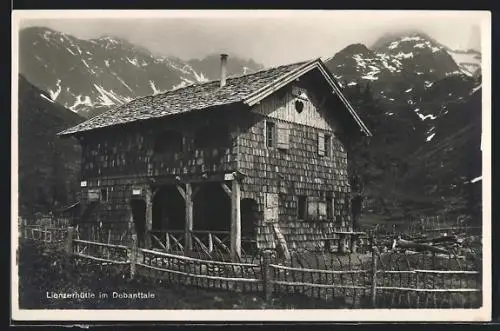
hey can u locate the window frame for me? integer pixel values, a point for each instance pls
(104, 197)
(302, 207)
(325, 140)
(328, 144)
(270, 125)
(330, 208)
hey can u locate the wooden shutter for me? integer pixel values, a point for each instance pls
(321, 144)
(93, 195)
(271, 212)
(283, 135)
(312, 208)
(322, 209)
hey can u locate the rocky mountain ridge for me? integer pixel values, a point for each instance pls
(89, 76)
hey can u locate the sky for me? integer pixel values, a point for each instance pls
(268, 37)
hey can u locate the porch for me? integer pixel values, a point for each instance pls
(197, 217)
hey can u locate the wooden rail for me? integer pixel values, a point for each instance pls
(319, 270)
(419, 287)
(192, 259)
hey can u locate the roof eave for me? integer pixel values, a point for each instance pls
(270, 88)
(336, 89)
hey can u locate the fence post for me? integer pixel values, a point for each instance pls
(133, 255)
(45, 236)
(267, 274)
(68, 245)
(374, 275)
(25, 228)
(68, 248)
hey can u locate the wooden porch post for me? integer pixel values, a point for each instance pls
(235, 220)
(149, 217)
(188, 242)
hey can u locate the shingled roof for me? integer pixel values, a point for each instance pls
(243, 88)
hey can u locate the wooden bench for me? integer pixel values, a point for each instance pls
(343, 238)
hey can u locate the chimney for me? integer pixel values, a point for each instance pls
(223, 69)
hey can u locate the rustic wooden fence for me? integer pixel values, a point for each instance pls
(43, 232)
(391, 280)
(415, 227)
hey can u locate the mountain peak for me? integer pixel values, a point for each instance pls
(88, 76)
(112, 39)
(415, 36)
(356, 49)
(43, 31)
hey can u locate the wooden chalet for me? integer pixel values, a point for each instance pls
(259, 159)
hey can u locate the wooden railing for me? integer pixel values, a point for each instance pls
(168, 240)
(206, 243)
(387, 280)
(42, 233)
(101, 252)
(201, 272)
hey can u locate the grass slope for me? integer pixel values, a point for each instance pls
(48, 166)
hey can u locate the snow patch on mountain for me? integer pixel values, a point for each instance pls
(132, 61)
(123, 82)
(108, 98)
(46, 98)
(81, 101)
(154, 88)
(468, 61)
(475, 89)
(55, 93)
(180, 85)
(370, 76)
(402, 55)
(86, 64)
(424, 117)
(411, 38)
(200, 77)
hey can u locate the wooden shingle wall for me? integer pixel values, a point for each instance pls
(123, 159)
(298, 170)
(128, 151)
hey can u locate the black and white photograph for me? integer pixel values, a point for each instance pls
(251, 165)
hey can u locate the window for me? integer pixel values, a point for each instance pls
(328, 145)
(270, 134)
(301, 207)
(104, 195)
(324, 144)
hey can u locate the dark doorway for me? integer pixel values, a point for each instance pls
(139, 216)
(249, 217)
(212, 208)
(168, 209)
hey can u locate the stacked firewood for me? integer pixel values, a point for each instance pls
(443, 243)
